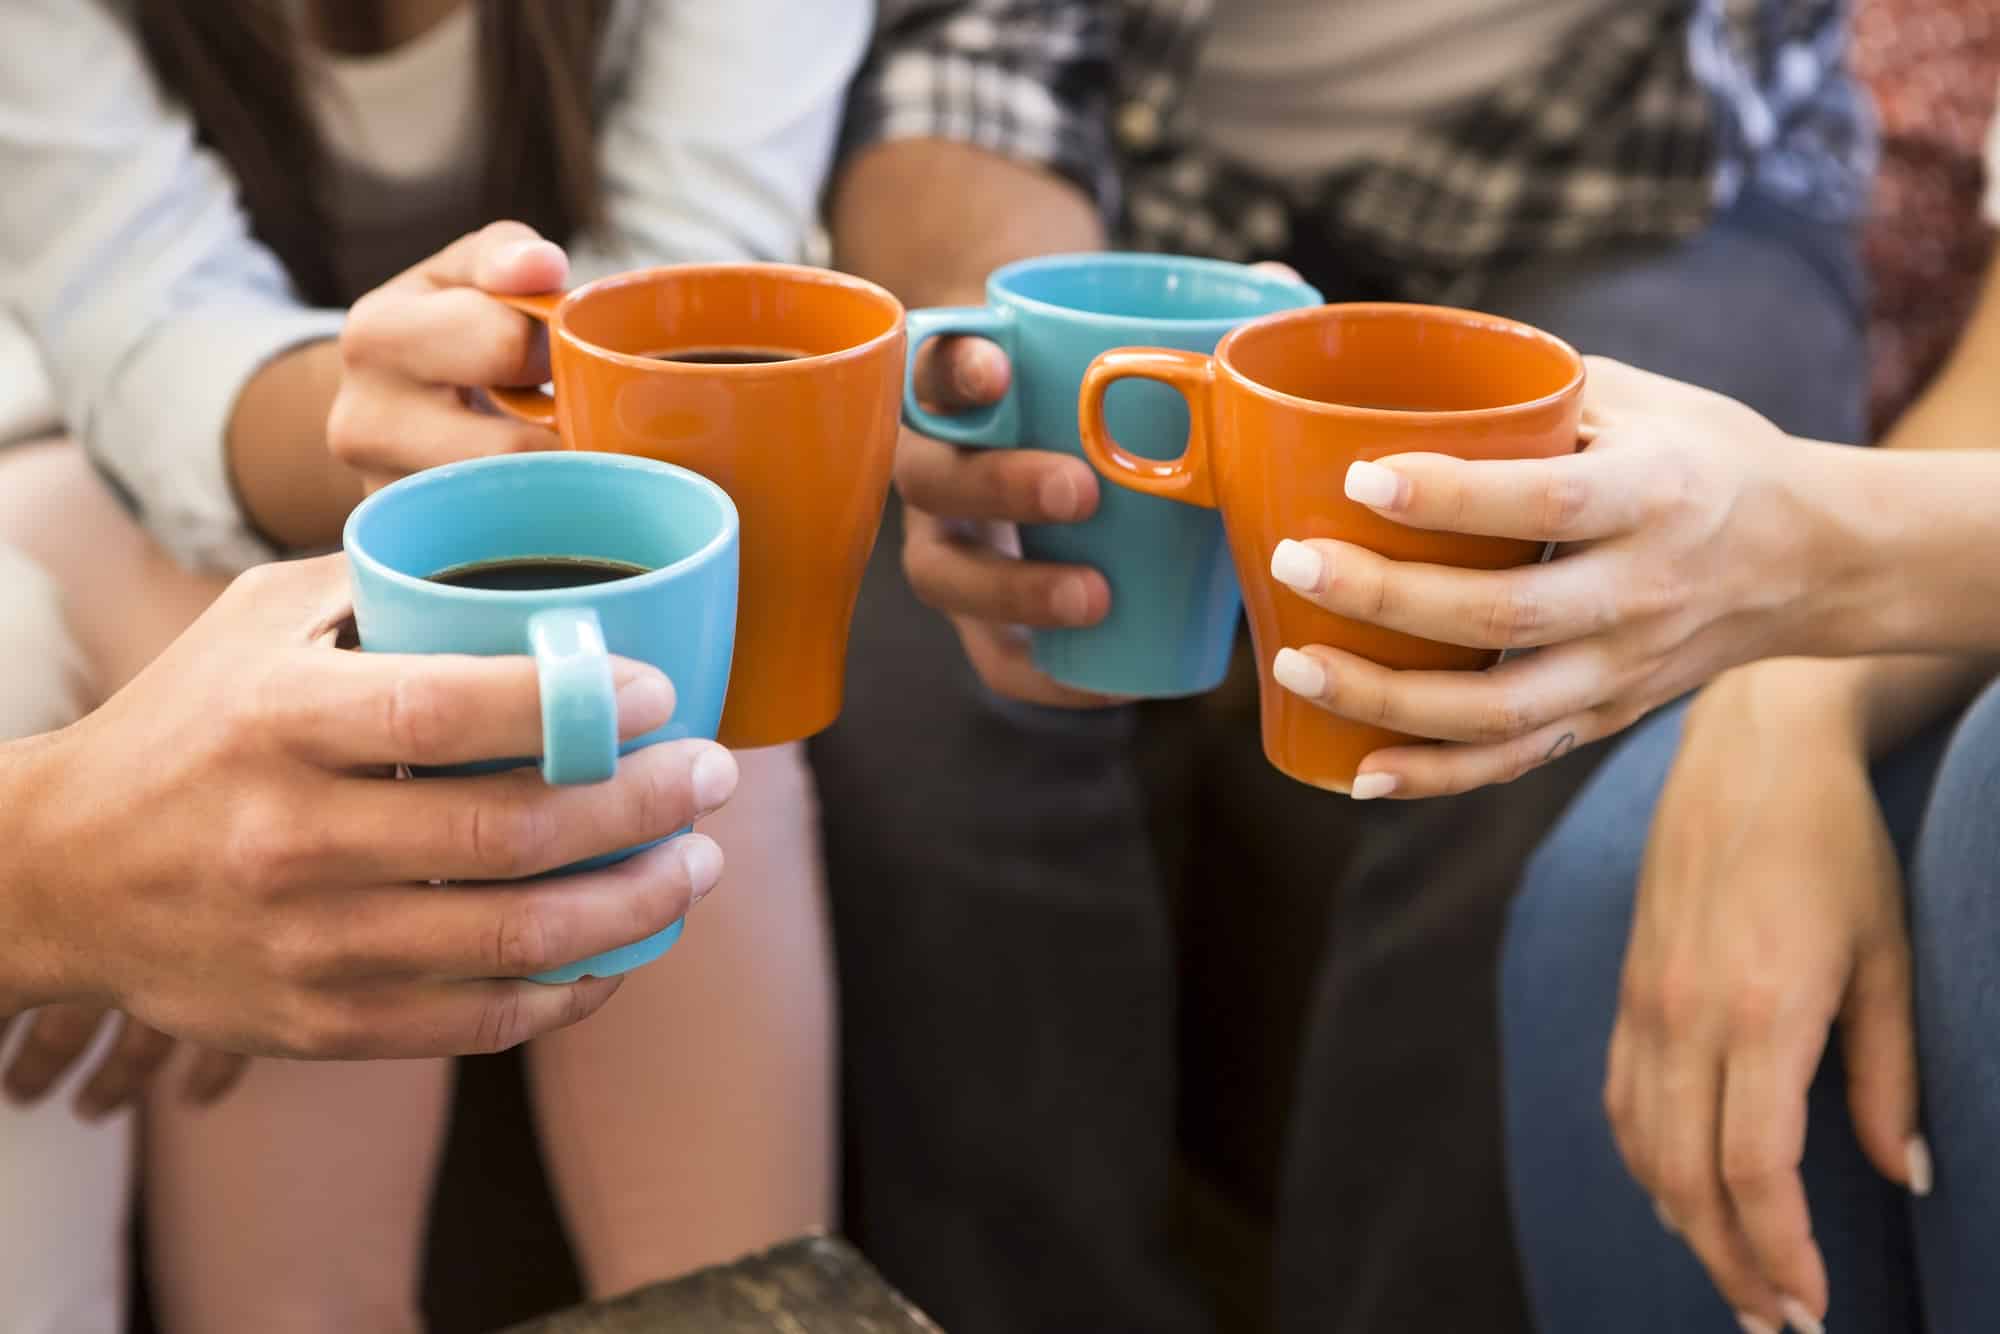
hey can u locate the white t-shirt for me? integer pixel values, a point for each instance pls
(1298, 87)
(1993, 172)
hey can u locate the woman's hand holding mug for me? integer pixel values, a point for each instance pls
(1693, 541)
(417, 352)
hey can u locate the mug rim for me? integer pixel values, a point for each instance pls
(998, 287)
(559, 325)
(447, 474)
(1408, 310)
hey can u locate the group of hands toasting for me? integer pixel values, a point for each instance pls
(276, 856)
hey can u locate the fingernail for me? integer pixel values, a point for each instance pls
(1370, 787)
(1799, 1318)
(1296, 565)
(1917, 1154)
(1070, 602)
(521, 251)
(701, 860)
(1058, 496)
(646, 698)
(1373, 485)
(1754, 1324)
(1299, 673)
(1667, 1222)
(713, 777)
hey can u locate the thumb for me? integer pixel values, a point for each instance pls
(1879, 1045)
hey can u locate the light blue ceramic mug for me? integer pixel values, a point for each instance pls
(1174, 596)
(679, 616)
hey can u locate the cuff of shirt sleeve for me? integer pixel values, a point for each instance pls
(163, 436)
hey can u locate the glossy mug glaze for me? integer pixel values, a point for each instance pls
(680, 616)
(805, 447)
(1278, 414)
(1174, 600)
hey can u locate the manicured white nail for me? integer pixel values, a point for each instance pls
(1666, 1219)
(1917, 1155)
(1299, 674)
(1799, 1318)
(1754, 1324)
(1369, 787)
(1373, 485)
(1296, 565)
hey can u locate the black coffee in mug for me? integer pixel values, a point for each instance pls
(536, 574)
(728, 356)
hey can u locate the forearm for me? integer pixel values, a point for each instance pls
(290, 486)
(1860, 707)
(930, 218)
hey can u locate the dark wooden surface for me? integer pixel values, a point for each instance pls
(815, 1285)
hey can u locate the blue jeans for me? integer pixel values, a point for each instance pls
(1596, 1257)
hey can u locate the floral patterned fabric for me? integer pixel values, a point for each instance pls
(1934, 67)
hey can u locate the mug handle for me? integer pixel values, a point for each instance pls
(579, 705)
(529, 405)
(997, 425)
(1186, 478)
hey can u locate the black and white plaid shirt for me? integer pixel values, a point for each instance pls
(1645, 124)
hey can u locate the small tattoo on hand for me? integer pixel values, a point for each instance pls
(1564, 745)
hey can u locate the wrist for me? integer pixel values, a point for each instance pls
(1874, 543)
(1797, 706)
(32, 971)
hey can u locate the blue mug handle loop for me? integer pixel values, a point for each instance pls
(997, 425)
(579, 705)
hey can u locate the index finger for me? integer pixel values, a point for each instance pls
(505, 256)
(955, 372)
(366, 709)
(1600, 492)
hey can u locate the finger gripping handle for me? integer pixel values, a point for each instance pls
(529, 405)
(579, 703)
(997, 425)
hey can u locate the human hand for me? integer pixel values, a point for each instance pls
(1770, 906)
(961, 545)
(221, 850)
(1693, 543)
(57, 1037)
(417, 351)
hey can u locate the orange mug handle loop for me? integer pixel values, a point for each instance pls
(532, 406)
(1186, 478)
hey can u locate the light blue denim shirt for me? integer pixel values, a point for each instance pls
(126, 253)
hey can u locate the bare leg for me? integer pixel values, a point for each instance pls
(692, 1119)
(298, 1204)
(125, 598)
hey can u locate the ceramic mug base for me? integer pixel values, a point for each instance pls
(614, 963)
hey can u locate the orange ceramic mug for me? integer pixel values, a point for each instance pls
(804, 444)
(1277, 414)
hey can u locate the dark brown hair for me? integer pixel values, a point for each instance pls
(236, 64)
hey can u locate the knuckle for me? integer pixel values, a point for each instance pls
(416, 717)
(523, 941)
(322, 1028)
(502, 1022)
(360, 334)
(1515, 617)
(1756, 1005)
(1678, 1001)
(260, 850)
(1564, 499)
(507, 838)
(1749, 1164)
(1506, 717)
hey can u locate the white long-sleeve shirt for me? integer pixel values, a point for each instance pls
(128, 256)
